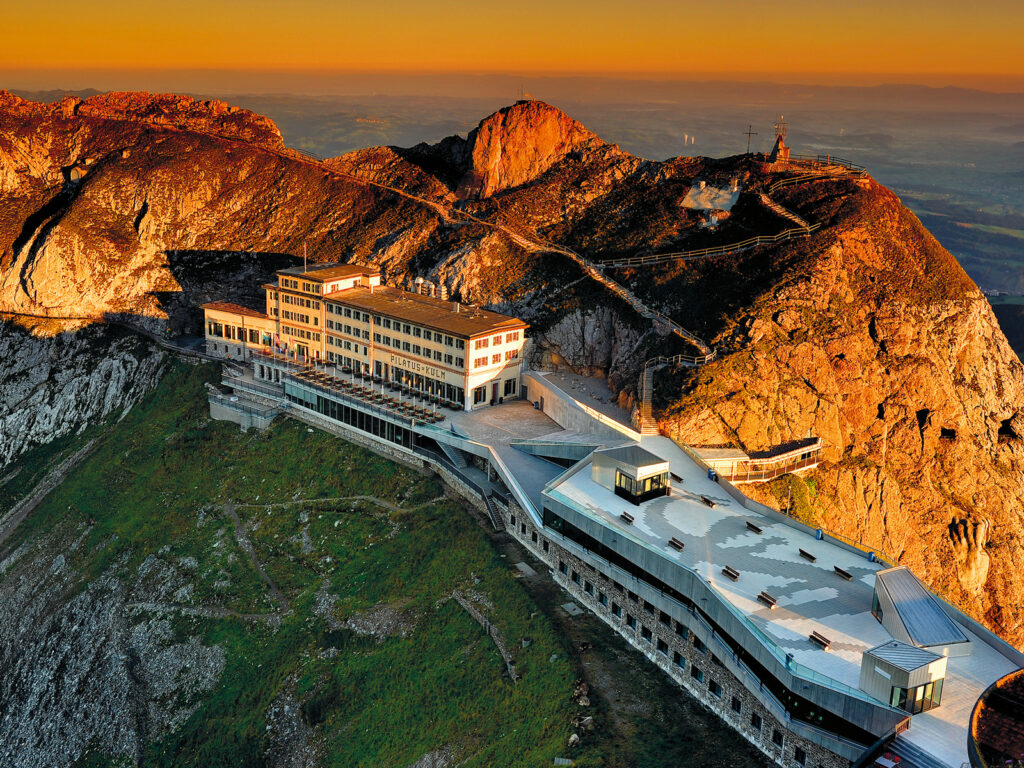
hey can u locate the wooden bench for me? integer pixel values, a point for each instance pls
(807, 555)
(627, 518)
(768, 600)
(708, 502)
(754, 528)
(840, 572)
(731, 572)
(820, 639)
(676, 544)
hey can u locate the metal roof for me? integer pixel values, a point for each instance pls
(633, 455)
(921, 615)
(322, 272)
(903, 656)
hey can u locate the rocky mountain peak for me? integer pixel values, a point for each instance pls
(520, 142)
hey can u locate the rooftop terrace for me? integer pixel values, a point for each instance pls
(810, 595)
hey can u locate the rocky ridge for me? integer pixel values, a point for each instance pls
(867, 333)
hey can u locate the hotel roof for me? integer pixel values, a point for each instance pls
(238, 309)
(446, 316)
(320, 273)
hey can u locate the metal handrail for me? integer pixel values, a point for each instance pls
(721, 250)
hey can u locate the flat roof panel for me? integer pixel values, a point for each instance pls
(237, 309)
(925, 621)
(320, 273)
(633, 455)
(903, 656)
(422, 310)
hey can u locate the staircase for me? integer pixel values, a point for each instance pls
(642, 418)
(457, 457)
(912, 756)
(783, 212)
(492, 511)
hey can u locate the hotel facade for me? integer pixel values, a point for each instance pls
(341, 316)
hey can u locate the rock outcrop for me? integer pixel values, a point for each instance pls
(104, 674)
(53, 386)
(517, 144)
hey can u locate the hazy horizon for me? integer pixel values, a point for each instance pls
(318, 82)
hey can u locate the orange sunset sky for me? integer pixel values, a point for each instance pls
(928, 38)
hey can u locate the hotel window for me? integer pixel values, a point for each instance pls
(348, 312)
(480, 362)
(755, 722)
(736, 705)
(448, 359)
(510, 337)
(479, 395)
(575, 577)
(677, 659)
(602, 598)
(406, 346)
(664, 618)
(617, 610)
(800, 756)
(630, 621)
(418, 332)
(588, 587)
(348, 329)
(662, 647)
(406, 329)
(480, 344)
(512, 354)
(510, 387)
(459, 362)
(386, 322)
(646, 633)
(715, 688)
(416, 350)
(460, 343)
(697, 674)
(495, 359)
(497, 340)
(698, 645)
(562, 567)
(448, 341)
(376, 337)
(776, 737)
(437, 355)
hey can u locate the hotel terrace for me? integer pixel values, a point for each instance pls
(340, 316)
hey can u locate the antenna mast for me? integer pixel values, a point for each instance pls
(748, 133)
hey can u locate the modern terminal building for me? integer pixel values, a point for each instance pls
(815, 649)
(341, 316)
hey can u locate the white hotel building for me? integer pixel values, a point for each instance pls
(342, 315)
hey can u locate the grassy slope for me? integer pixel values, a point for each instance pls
(154, 487)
